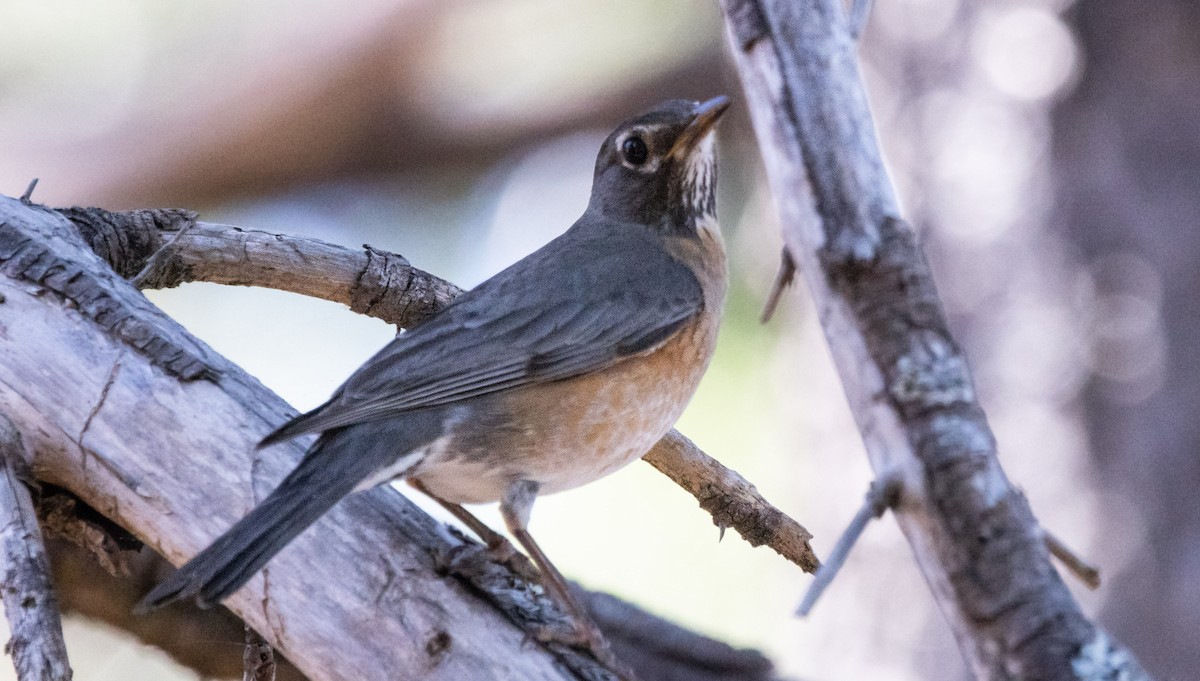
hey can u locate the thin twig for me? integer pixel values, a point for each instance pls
(1084, 571)
(258, 658)
(731, 500)
(158, 257)
(880, 497)
(37, 647)
(27, 197)
(783, 279)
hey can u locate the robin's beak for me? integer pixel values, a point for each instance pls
(704, 117)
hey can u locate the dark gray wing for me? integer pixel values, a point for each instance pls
(590, 298)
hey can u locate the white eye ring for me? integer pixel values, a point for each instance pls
(648, 166)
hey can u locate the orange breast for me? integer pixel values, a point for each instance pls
(568, 433)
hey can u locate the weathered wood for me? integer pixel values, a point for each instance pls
(65, 516)
(731, 499)
(658, 649)
(907, 381)
(37, 647)
(165, 248)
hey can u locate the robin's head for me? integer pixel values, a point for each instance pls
(659, 168)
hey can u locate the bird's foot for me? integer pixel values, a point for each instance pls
(501, 550)
(464, 552)
(584, 636)
(458, 558)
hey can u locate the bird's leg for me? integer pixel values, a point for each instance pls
(515, 508)
(495, 541)
(498, 547)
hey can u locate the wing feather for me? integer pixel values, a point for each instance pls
(579, 304)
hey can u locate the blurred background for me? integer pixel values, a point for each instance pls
(1048, 151)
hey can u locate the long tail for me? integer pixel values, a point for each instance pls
(338, 462)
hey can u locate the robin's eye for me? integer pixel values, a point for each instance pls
(634, 150)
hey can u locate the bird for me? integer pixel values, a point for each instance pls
(561, 369)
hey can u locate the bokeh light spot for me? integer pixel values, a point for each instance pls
(1026, 52)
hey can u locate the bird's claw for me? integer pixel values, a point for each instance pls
(581, 635)
(458, 558)
(501, 550)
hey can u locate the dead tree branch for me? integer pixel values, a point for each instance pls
(37, 647)
(907, 381)
(731, 499)
(880, 498)
(205, 641)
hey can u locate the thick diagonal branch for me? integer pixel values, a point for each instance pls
(908, 384)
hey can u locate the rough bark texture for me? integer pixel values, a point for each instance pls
(166, 248)
(1127, 150)
(78, 538)
(91, 364)
(65, 516)
(908, 385)
(731, 499)
(36, 646)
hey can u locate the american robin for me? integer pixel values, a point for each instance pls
(561, 369)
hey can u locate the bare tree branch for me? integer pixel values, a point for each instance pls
(1086, 572)
(907, 381)
(659, 649)
(65, 516)
(880, 497)
(731, 499)
(37, 647)
(169, 247)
